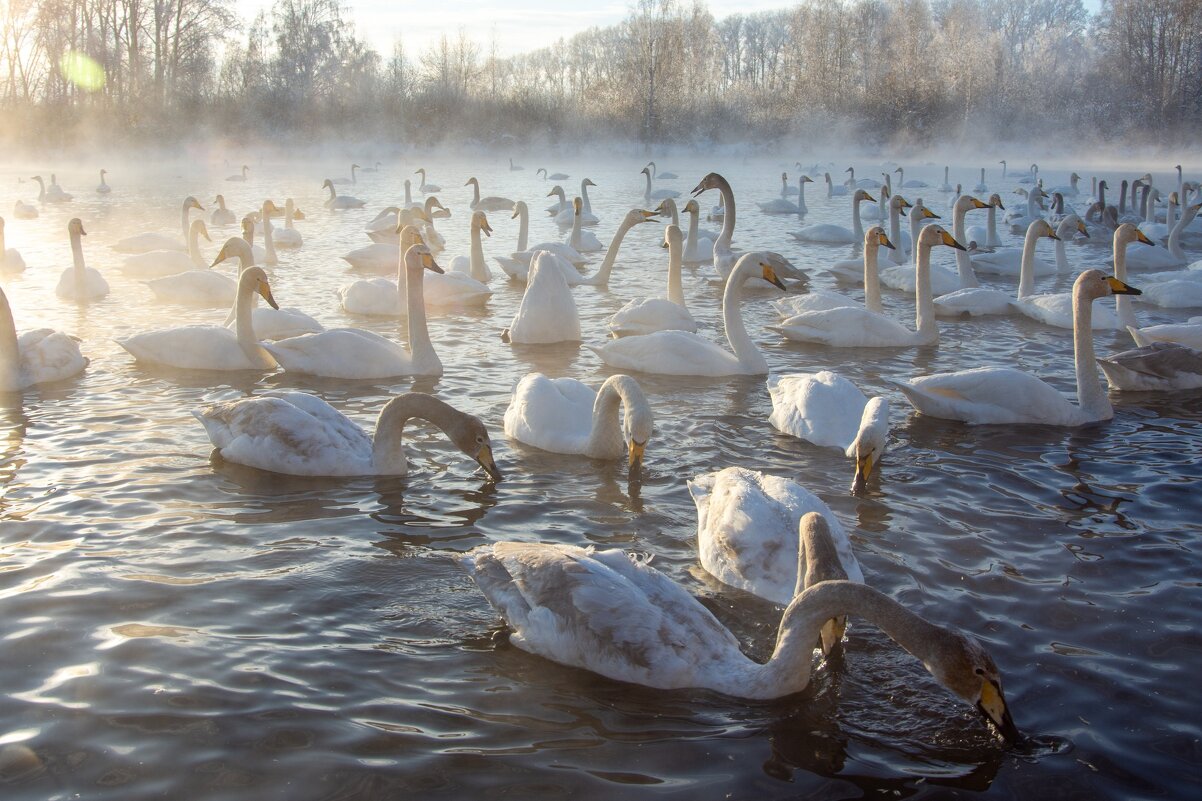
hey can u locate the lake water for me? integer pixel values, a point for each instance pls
(176, 626)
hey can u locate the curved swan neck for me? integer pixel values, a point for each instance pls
(1091, 397)
(728, 218)
(606, 440)
(421, 349)
(1174, 244)
(924, 302)
(388, 454)
(10, 353)
(611, 255)
(744, 347)
(872, 279)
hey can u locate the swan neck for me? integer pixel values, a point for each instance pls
(584, 197)
(991, 228)
(1174, 243)
(801, 196)
(675, 287)
(523, 227)
(1026, 267)
(611, 255)
(421, 349)
(968, 278)
(857, 227)
(872, 279)
(744, 347)
(1123, 306)
(78, 263)
(728, 218)
(476, 257)
(691, 241)
(647, 191)
(1091, 397)
(244, 327)
(193, 247)
(924, 302)
(1061, 257)
(388, 453)
(606, 438)
(10, 353)
(183, 221)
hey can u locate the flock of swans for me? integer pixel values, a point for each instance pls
(604, 610)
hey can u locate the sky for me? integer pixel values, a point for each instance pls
(518, 25)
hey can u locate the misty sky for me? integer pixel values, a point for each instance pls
(520, 25)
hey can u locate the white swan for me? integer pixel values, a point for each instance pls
(241, 176)
(828, 410)
(853, 327)
(1020, 221)
(547, 313)
(684, 353)
(657, 194)
(1172, 255)
(725, 258)
(491, 203)
(344, 181)
(474, 264)
(1187, 333)
(578, 239)
(619, 617)
(817, 299)
(1069, 190)
(1005, 395)
(11, 260)
(669, 313)
(24, 211)
(561, 205)
(198, 286)
(1059, 309)
(354, 353)
(39, 356)
(555, 176)
(222, 215)
(655, 173)
(945, 186)
(863, 183)
(980, 301)
(54, 192)
(382, 257)
(159, 263)
(337, 201)
(144, 243)
(1158, 367)
(517, 264)
(80, 282)
(913, 183)
(425, 187)
(103, 188)
(943, 280)
(986, 236)
(515, 167)
(748, 526)
(833, 189)
(1009, 261)
(212, 347)
(566, 215)
(289, 237)
(981, 187)
(781, 205)
(698, 247)
(302, 435)
(829, 234)
(563, 415)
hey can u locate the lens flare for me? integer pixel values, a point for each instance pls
(82, 70)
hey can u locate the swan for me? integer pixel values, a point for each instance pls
(301, 435)
(39, 356)
(656, 174)
(1009, 261)
(1071, 190)
(289, 237)
(565, 217)
(517, 264)
(980, 301)
(491, 203)
(697, 248)
(24, 211)
(241, 176)
(816, 299)
(547, 313)
(53, 193)
(11, 260)
(1172, 255)
(828, 410)
(375, 168)
(863, 183)
(1160, 366)
(1188, 333)
(578, 239)
(559, 206)
(833, 189)
(1060, 309)
(1003, 163)
(658, 194)
(986, 236)
(684, 353)
(836, 234)
(337, 201)
(382, 257)
(981, 187)
(1020, 221)
(563, 415)
(380, 296)
(555, 176)
(222, 215)
(144, 243)
(725, 258)
(669, 313)
(354, 353)
(617, 616)
(601, 277)
(851, 327)
(474, 264)
(79, 282)
(103, 188)
(901, 241)
(384, 226)
(748, 526)
(201, 286)
(945, 186)
(425, 187)
(942, 280)
(160, 263)
(913, 183)
(345, 181)
(781, 205)
(1032, 175)
(212, 347)
(1005, 395)
(515, 167)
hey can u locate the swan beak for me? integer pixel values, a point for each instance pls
(1081, 227)
(950, 241)
(927, 214)
(805, 179)
(484, 457)
(485, 227)
(992, 706)
(431, 265)
(884, 241)
(647, 215)
(515, 213)
(863, 471)
(297, 214)
(869, 198)
(832, 634)
(697, 190)
(977, 204)
(1117, 287)
(999, 204)
(1140, 236)
(205, 232)
(1052, 235)
(265, 290)
(769, 275)
(635, 456)
(663, 245)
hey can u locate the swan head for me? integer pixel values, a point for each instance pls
(235, 248)
(862, 195)
(899, 171)
(1041, 227)
(672, 236)
(37, 178)
(75, 227)
(518, 209)
(870, 442)
(255, 278)
(1127, 233)
(692, 207)
(1094, 284)
(664, 209)
(270, 208)
(711, 181)
(297, 214)
(996, 200)
(480, 220)
(248, 227)
(577, 205)
(966, 203)
(420, 171)
(934, 235)
(220, 201)
(356, 167)
(327, 184)
(587, 182)
(900, 203)
(645, 171)
(541, 171)
(470, 436)
(1069, 226)
(805, 179)
(192, 203)
(418, 257)
(768, 273)
(924, 213)
(876, 237)
(827, 177)
(636, 216)
(962, 665)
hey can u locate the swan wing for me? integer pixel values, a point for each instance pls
(845, 327)
(648, 315)
(988, 395)
(669, 353)
(48, 355)
(555, 414)
(823, 408)
(342, 353)
(192, 347)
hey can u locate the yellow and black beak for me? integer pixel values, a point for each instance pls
(992, 707)
(927, 214)
(1082, 229)
(431, 265)
(869, 198)
(1053, 235)
(264, 289)
(485, 227)
(832, 634)
(884, 242)
(635, 454)
(863, 471)
(769, 275)
(1140, 236)
(484, 457)
(697, 190)
(647, 215)
(1117, 287)
(951, 242)
(977, 204)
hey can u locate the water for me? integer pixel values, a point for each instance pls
(174, 625)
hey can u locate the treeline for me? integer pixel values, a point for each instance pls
(867, 72)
